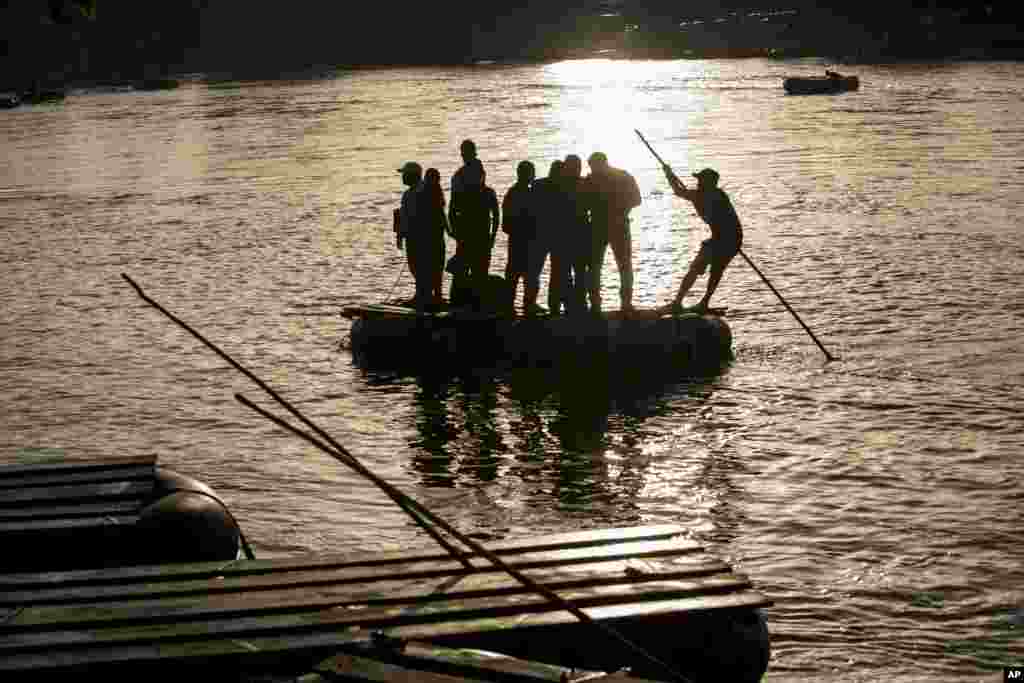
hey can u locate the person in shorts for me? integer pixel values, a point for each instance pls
(715, 208)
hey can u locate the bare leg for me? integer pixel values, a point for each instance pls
(531, 281)
(622, 249)
(439, 275)
(557, 283)
(512, 278)
(688, 280)
(698, 266)
(599, 246)
(714, 277)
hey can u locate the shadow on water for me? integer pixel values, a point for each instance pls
(578, 436)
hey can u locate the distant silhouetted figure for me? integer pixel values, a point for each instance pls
(613, 193)
(715, 209)
(431, 226)
(548, 202)
(519, 222)
(473, 216)
(577, 232)
(405, 215)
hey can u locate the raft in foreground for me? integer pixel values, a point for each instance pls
(220, 620)
(383, 332)
(108, 512)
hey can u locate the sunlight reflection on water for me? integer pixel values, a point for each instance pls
(876, 499)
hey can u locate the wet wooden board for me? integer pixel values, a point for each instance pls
(96, 475)
(56, 494)
(120, 507)
(598, 580)
(69, 508)
(56, 588)
(72, 465)
(223, 611)
(609, 542)
(50, 486)
(427, 663)
(348, 580)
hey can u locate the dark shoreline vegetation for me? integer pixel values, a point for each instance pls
(127, 42)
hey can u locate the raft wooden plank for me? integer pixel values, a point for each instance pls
(83, 492)
(428, 663)
(70, 465)
(25, 588)
(68, 511)
(392, 311)
(622, 611)
(367, 669)
(87, 661)
(507, 550)
(598, 583)
(443, 619)
(99, 475)
(700, 565)
(43, 525)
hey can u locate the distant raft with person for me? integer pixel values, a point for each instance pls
(395, 334)
(831, 83)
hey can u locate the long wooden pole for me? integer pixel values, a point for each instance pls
(419, 512)
(828, 356)
(668, 169)
(540, 589)
(396, 496)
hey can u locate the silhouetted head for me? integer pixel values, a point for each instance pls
(598, 162)
(468, 150)
(526, 172)
(706, 178)
(573, 166)
(556, 168)
(412, 173)
(432, 185)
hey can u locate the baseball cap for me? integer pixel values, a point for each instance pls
(411, 167)
(708, 173)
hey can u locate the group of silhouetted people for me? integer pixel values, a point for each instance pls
(566, 216)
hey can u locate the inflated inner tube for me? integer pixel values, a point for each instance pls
(185, 521)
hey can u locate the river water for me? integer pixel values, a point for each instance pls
(876, 499)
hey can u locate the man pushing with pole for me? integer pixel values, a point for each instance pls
(715, 208)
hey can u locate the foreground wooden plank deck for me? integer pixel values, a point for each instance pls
(51, 512)
(256, 613)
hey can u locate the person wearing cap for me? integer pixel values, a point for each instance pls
(613, 193)
(405, 215)
(715, 208)
(473, 217)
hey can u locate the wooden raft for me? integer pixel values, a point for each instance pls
(51, 512)
(386, 311)
(254, 613)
